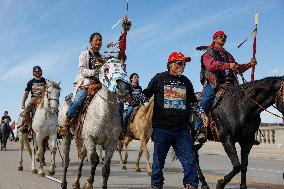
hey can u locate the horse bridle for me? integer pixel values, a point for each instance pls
(280, 93)
(49, 98)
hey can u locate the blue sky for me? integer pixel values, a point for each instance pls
(53, 33)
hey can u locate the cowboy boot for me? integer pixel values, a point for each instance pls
(201, 135)
(63, 130)
(189, 186)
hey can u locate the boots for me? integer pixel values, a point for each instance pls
(201, 135)
(63, 129)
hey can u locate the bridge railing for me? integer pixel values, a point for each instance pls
(271, 135)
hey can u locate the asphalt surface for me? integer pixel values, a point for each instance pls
(265, 171)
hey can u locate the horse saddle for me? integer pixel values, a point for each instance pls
(212, 130)
(133, 114)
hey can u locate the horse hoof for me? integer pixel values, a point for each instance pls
(51, 173)
(76, 185)
(149, 173)
(243, 187)
(20, 168)
(138, 170)
(104, 187)
(34, 171)
(125, 162)
(41, 174)
(219, 184)
(87, 186)
(205, 187)
(124, 167)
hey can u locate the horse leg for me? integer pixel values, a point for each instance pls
(245, 149)
(144, 142)
(109, 150)
(101, 154)
(34, 155)
(27, 144)
(20, 163)
(127, 141)
(119, 149)
(66, 149)
(52, 140)
(230, 148)
(40, 154)
(95, 160)
(138, 160)
(83, 154)
(200, 174)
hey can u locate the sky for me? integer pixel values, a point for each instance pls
(53, 33)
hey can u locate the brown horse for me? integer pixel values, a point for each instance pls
(140, 128)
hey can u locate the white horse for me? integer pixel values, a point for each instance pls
(45, 125)
(102, 124)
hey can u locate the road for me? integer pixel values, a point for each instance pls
(265, 170)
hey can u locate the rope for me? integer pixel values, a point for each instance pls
(264, 109)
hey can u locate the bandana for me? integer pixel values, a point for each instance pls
(112, 71)
(216, 34)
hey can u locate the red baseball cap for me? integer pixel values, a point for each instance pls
(218, 33)
(178, 56)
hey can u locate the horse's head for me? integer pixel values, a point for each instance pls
(51, 97)
(113, 76)
(280, 99)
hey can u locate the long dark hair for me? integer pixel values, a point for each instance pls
(131, 77)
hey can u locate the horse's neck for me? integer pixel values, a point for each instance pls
(149, 113)
(45, 102)
(106, 94)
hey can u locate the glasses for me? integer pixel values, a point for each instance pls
(180, 63)
(222, 37)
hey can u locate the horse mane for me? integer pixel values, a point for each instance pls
(235, 93)
(144, 110)
(53, 84)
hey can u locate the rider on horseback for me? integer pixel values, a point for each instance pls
(90, 62)
(136, 99)
(37, 87)
(217, 68)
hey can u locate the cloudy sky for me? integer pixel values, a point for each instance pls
(52, 33)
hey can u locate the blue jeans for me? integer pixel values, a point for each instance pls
(79, 99)
(128, 114)
(179, 138)
(205, 103)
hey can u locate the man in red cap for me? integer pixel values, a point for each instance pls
(173, 99)
(217, 66)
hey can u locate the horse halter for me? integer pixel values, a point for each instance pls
(48, 95)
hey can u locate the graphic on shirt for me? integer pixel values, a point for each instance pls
(38, 89)
(174, 97)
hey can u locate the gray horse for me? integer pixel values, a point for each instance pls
(5, 132)
(102, 124)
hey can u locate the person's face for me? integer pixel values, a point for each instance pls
(37, 73)
(220, 40)
(5, 113)
(135, 79)
(96, 43)
(177, 67)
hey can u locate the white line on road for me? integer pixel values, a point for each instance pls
(276, 171)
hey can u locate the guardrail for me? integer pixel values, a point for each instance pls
(271, 135)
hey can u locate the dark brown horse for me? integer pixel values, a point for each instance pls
(238, 118)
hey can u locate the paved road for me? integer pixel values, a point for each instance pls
(265, 171)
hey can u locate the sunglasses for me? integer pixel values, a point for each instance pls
(180, 63)
(222, 37)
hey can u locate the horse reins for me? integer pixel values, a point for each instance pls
(279, 94)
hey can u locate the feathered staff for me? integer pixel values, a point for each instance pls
(254, 43)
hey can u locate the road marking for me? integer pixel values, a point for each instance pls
(269, 170)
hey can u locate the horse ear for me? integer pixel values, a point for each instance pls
(58, 83)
